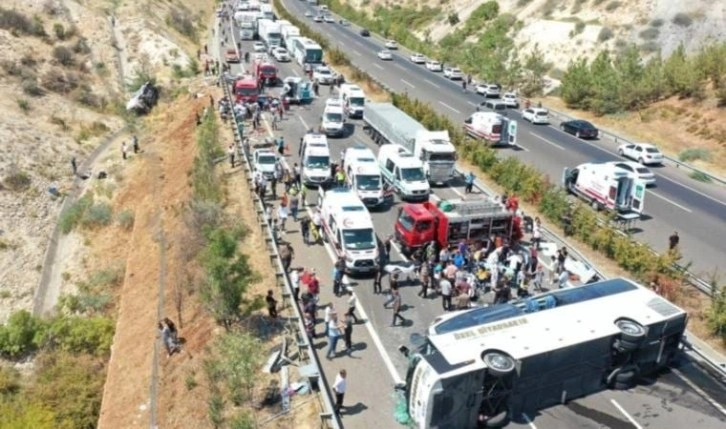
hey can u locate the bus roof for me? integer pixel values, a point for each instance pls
(549, 321)
(307, 43)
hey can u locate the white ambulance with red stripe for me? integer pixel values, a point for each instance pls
(492, 128)
(349, 228)
(605, 186)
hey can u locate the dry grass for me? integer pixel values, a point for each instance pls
(373, 91)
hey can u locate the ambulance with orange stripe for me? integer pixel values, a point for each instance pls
(364, 175)
(348, 226)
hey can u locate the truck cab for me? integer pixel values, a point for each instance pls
(451, 221)
(404, 172)
(605, 186)
(333, 120)
(492, 128)
(364, 175)
(438, 154)
(349, 228)
(315, 160)
(353, 100)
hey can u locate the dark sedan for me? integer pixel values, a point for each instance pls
(365, 33)
(580, 129)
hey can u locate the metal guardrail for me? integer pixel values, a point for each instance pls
(328, 416)
(692, 279)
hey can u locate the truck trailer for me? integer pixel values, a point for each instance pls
(269, 32)
(386, 124)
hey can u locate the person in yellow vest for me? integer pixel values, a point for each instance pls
(340, 177)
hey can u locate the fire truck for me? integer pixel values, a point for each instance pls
(265, 69)
(450, 221)
(246, 89)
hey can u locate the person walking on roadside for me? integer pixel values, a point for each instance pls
(470, 178)
(346, 326)
(271, 304)
(393, 285)
(282, 214)
(338, 275)
(397, 308)
(445, 290)
(230, 152)
(295, 283)
(339, 387)
(673, 241)
(424, 277)
(378, 277)
(334, 335)
(74, 166)
(294, 206)
(352, 302)
(305, 230)
(135, 142)
(286, 255)
(327, 315)
(124, 150)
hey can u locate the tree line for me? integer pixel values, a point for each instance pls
(612, 83)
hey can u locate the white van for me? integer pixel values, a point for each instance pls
(404, 172)
(354, 100)
(315, 160)
(333, 121)
(364, 175)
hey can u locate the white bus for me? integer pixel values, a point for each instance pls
(492, 364)
(306, 51)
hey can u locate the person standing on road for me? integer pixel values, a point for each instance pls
(393, 285)
(673, 241)
(397, 308)
(230, 152)
(424, 277)
(305, 230)
(294, 206)
(327, 316)
(346, 326)
(74, 166)
(286, 255)
(470, 178)
(339, 387)
(271, 304)
(352, 302)
(334, 335)
(282, 216)
(379, 275)
(445, 290)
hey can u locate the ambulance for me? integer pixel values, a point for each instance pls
(333, 120)
(491, 128)
(404, 173)
(315, 160)
(348, 226)
(607, 187)
(364, 175)
(354, 100)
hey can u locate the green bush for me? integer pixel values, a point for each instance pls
(205, 183)
(650, 33)
(125, 219)
(694, 154)
(19, 336)
(682, 19)
(181, 20)
(16, 22)
(716, 314)
(605, 34)
(63, 55)
(31, 87)
(97, 215)
(18, 181)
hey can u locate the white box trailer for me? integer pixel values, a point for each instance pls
(288, 33)
(385, 123)
(269, 32)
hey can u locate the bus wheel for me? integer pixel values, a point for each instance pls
(631, 333)
(624, 377)
(499, 364)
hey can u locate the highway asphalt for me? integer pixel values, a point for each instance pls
(375, 366)
(677, 203)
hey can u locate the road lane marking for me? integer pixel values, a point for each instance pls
(358, 43)
(356, 52)
(625, 413)
(529, 421)
(378, 66)
(700, 391)
(473, 104)
(411, 85)
(432, 84)
(655, 194)
(399, 66)
(295, 73)
(303, 122)
(448, 107)
(458, 192)
(547, 141)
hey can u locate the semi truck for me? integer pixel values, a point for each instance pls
(266, 70)
(288, 33)
(607, 187)
(247, 23)
(450, 221)
(269, 32)
(491, 128)
(386, 124)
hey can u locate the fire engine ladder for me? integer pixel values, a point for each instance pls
(484, 208)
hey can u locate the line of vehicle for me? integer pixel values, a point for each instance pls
(625, 413)
(408, 83)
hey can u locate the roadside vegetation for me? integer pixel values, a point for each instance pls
(552, 203)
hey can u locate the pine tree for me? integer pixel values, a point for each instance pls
(577, 84)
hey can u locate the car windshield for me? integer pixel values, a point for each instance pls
(334, 117)
(245, 91)
(357, 101)
(643, 170)
(441, 156)
(652, 150)
(267, 160)
(412, 174)
(359, 239)
(406, 221)
(368, 182)
(586, 125)
(317, 162)
(541, 113)
(323, 71)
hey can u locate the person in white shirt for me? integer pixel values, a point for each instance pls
(295, 282)
(329, 311)
(282, 214)
(444, 256)
(562, 279)
(352, 302)
(445, 289)
(536, 233)
(339, 387)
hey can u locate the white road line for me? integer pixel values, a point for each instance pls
(295, 73)
(529, 421)
(356, 52)
(700, 391)
(399, 66)
(458, 192)
(358, 43)
(473, 104)
(547, 141)
(407, 83)
(432, 84)
(397, 379)
(448, 107)
(378, 66)
(625, 413)
(303, 122)
(655, 194)
(694, 190)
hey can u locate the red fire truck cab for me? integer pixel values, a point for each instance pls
(246, 89)
(451, 221)
(267, 70)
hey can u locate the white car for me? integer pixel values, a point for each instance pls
(385, 55)
(417, 58)
(259, 47)
(329, 19)
(643, 173)
(453, 73)
(281, 54)
(264, 162)
(391, 44)
(308, 14)
(536, 115)
(488, 90)
(318, 18)
(644, 153)
(323, 75)
(434, 66)
(511, 100)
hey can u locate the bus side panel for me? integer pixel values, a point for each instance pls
(456, 406)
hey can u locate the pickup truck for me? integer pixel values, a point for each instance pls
(231, 56)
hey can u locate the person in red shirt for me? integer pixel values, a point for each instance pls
(512, 203)
(314, 287)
